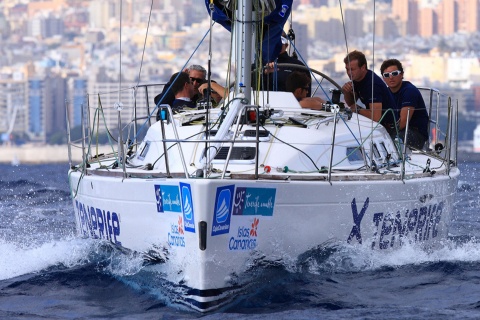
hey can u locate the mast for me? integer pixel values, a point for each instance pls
(243, 39)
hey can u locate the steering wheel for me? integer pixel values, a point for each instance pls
(319, 82)
(322, 75)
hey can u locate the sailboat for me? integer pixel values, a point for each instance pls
(209, 192)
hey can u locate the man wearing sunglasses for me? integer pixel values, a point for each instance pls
(197, 75)
(299, 84)
(183, 90)
(379, 102)
(410, 102)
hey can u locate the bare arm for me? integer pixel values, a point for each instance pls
(314, 103)
(374, 113)
(215, 86)
(347, 90)
(403, 116)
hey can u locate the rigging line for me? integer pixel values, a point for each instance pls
(291, 28)
(349, 66)
(259, 34)
(144, 46)
(183, 68)
(292, 146)
(120, 44)
(209, 87)
(140, 69)
(370, 135)
(109, 135)
(373, 73)
(312, 74)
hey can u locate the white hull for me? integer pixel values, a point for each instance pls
(272, 220)
(263, 193)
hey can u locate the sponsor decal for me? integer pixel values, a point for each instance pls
(245, 239)
(357, 220)
(187, 207)
(391, 228)
(168, 198)
(98, 223)
(176, 235)
(254, 201)
(223, 210)
(283, 11)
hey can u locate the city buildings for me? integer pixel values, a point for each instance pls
(56, 55)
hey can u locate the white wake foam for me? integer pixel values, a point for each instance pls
(362, 258)
(18, 261)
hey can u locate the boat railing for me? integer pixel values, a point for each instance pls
(443, 123)
(99, 116)
(96, 120)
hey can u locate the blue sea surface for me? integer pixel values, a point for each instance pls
(47, 272)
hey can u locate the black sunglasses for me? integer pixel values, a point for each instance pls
(198, 80)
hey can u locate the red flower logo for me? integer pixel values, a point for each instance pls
(180, 229)
(253, 230)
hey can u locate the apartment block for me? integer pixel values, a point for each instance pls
(13, 107)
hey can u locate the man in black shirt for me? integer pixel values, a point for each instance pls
(275, 79)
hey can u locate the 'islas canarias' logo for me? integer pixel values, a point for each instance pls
(246, 237)
(176, 236)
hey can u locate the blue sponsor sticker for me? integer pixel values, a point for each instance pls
(168, 198)
(254, 201)
(223, 209)
(187, 207)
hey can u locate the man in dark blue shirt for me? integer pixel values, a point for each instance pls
(378, 99)
(410, 102)
(197, 75)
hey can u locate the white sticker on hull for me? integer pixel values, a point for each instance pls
(246, 238)
(176, 236)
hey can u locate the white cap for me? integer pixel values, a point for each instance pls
(284, 40)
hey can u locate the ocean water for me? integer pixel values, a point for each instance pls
(46, 272)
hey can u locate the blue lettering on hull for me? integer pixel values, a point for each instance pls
(391, 229)
(357, 220)
(97, 223)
